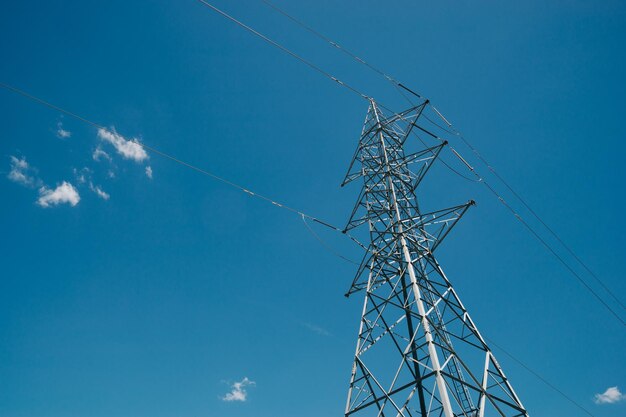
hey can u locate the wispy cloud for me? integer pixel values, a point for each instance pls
(316, 329)
(99, 191)
(149, 172)
(238, 391)
(62, 133)
(610, 396)
(99, 154)
(129, 149)
(62, 194)
(83, 175)
(22, 173)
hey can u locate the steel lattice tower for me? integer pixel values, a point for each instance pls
(418, 351)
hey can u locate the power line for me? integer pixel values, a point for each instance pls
(285, 49)
(319, 69)
(480, 179)
(183, 163)
(537, 236)
(325, 245)
(540, 239)
(300, 58)
(542, 379)
(533, 212)
(397, 84)
(330, 41)
(336, 45)
(305, 216)
(559, 258)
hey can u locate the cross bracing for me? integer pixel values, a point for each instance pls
(418, 351)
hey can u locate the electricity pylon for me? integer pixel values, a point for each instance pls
(418, 351)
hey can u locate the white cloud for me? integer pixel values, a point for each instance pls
(149, 172)
(99, 153)
(316, 329)
(99, 191)
(238, 391)
(129, 149)
(21, 172)
(610, 396)
(64, 193)
(82, 175)
(62, 133)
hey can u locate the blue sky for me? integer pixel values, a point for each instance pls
(155, 295)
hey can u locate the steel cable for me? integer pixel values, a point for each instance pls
(183, 163)
(398, 85)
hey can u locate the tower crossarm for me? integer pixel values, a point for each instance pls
(424, 233)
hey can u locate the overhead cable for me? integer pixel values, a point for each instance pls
(325, 245)
(319, 69)
(541, 378)
(534, 213)
(341, 48)
(330, 41)
(284, 49)
(455, 132)
(300, 58)
(183, 163)
(540, 239)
